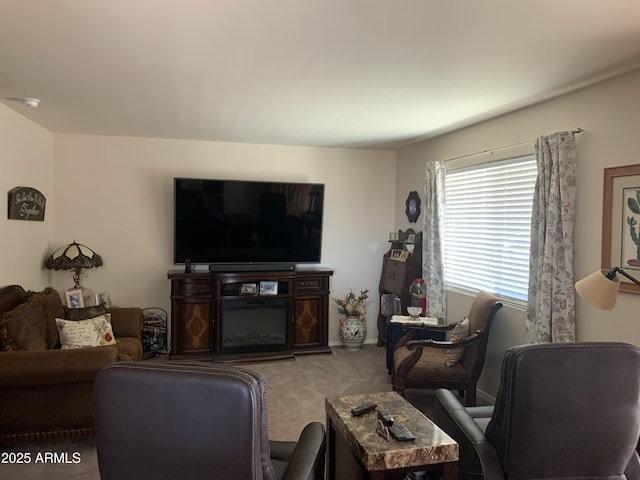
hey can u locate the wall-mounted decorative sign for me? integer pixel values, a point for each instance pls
(26, 203)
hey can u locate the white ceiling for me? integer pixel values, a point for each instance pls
(351, 73)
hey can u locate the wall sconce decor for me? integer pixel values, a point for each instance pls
(413, 207)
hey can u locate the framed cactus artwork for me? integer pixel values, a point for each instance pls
(621, 222)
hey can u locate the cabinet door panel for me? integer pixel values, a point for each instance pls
(307, 312)
(197, 329)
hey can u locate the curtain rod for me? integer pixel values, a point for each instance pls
(575, 131)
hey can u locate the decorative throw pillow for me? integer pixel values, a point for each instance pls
(93, 332)
(85, 312)
(23, 328)
(459, 333)
(49, 300)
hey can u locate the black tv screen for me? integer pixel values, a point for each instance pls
(237, 222)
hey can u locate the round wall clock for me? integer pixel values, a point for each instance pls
(413, 206)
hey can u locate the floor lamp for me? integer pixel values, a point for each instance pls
(601, 288)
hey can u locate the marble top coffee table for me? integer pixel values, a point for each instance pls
(356, 450)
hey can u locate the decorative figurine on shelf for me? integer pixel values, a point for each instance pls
(353, 328)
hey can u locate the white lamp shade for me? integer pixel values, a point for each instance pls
(598, 290)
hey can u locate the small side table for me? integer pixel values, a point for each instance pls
(355, 450)
(398, 325)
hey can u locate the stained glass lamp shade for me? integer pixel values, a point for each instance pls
(76, 257)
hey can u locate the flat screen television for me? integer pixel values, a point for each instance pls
(243, 222)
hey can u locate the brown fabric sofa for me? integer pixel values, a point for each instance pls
(47, 392)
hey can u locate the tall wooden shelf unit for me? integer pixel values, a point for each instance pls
(397, 275)
(198, 300)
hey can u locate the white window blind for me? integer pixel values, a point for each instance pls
(488, 226)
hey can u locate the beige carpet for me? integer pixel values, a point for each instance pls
(296, 391)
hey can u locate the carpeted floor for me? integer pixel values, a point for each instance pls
(296, 391)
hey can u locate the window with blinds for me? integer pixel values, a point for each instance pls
(488, 226)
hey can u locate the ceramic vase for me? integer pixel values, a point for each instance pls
(353, 332)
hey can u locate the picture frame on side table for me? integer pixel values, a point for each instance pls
(74, 298)
(102, 298)
(621, 223)
(268, 288)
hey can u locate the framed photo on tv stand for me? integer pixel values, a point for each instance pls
(268, 288)
(248, 289)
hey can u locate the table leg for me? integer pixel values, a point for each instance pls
(330, 464)
(342, 464)
(449, 470)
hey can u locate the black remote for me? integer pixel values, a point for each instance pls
(385, 417)
(363, 408)
(401, 433)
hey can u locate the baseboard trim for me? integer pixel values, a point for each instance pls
(372, 341)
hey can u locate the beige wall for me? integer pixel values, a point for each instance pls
(609, 113)
(26, 160)
(116, 195)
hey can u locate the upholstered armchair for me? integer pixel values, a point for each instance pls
(197, 421)
(563, 411)
(454, 364)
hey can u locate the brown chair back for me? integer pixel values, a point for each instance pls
(567, 410)
(157, 420)
(481, 314)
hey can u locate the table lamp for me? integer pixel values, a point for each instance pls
(601, 288)
(76, 257)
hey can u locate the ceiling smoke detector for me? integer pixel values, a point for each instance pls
(30, 102)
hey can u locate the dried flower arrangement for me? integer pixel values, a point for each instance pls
(352, 304)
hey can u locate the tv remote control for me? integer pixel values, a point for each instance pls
(385, 417)
(401, 433)
(363, 408)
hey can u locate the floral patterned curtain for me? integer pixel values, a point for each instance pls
(433, 229)
(551, 302)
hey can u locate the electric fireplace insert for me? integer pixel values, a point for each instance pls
(254, 325)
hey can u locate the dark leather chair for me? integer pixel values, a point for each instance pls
(170, 420)
(422, 363)
(563, 411)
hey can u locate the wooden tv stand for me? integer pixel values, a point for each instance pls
(199, 300)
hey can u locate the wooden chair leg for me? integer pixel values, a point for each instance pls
(471, 397)
(399, 389)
